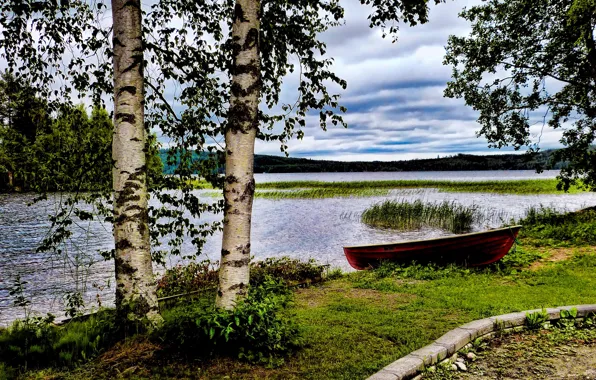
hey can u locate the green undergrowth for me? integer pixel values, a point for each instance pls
(546, 226)
(197, 276)
(258, 329)
(405, 215)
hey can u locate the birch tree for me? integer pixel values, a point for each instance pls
(245, 96)
(135, 286)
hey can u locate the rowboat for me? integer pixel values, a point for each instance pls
(473, 249)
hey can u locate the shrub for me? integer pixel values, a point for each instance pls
(256, 330)
(204, 275)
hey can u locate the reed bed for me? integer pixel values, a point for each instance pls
(533, 186)
(312, 193)
(404, 215)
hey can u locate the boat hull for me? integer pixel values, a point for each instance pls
(475, 249)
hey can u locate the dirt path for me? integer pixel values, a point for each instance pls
(548, 354)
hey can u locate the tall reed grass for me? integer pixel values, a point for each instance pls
(404, 215)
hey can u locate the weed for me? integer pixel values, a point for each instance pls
(536, 320)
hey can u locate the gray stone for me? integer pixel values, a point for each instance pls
(479, 327)
(454, 340)
(405, 367)
(431, 354)
(453, 367)
(459, 360)
(509, 320)
(384, 375)
(471, 356)
(461, 366)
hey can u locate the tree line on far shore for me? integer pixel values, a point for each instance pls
(65, 150)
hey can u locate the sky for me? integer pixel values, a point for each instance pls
(396, 109)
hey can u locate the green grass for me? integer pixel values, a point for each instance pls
(405, 215)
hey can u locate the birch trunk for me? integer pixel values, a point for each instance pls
(240, 137)
(136, 297)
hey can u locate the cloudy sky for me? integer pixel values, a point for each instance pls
(396, 108)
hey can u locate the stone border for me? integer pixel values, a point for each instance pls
(447, 345)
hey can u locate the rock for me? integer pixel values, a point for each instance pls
(471, 356)
(461, 366)
(461, 360)
(453, 367)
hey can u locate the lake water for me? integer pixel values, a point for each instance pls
(303, 228)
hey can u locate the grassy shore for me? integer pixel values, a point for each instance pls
(356, 323)
(319, 189)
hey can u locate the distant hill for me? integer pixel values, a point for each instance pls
(276, 164)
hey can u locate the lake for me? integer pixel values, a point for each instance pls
(299, 228)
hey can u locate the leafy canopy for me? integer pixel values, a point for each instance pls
(528, 61)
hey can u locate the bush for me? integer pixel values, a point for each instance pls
(256, 330)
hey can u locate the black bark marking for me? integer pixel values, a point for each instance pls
(126, 117)
(249, 190)
(132, 3)
(130, 89)
(123, 267)
(241, 286)
(245, 249)
(239, 14)
(231, 179)
(239, 92)
(237, 263)
(225, 252)
(245, 69)
(252, 39)
(135, 139)
(123, 244)
(116, 42)
(137, 61)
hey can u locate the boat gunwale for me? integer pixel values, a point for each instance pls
(435, 239)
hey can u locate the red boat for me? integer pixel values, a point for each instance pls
(474, 249)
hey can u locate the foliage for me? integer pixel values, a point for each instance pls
(65, 151)
(284, 268)
(405, 215)
(204, 275)
(526, 62)
(549, 225)
(255, 330)
(37, 342)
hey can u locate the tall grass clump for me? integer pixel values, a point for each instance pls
(404, 215)
(36, 342)
(549, 225)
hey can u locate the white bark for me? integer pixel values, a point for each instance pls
(240, 139)
(136, 297)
